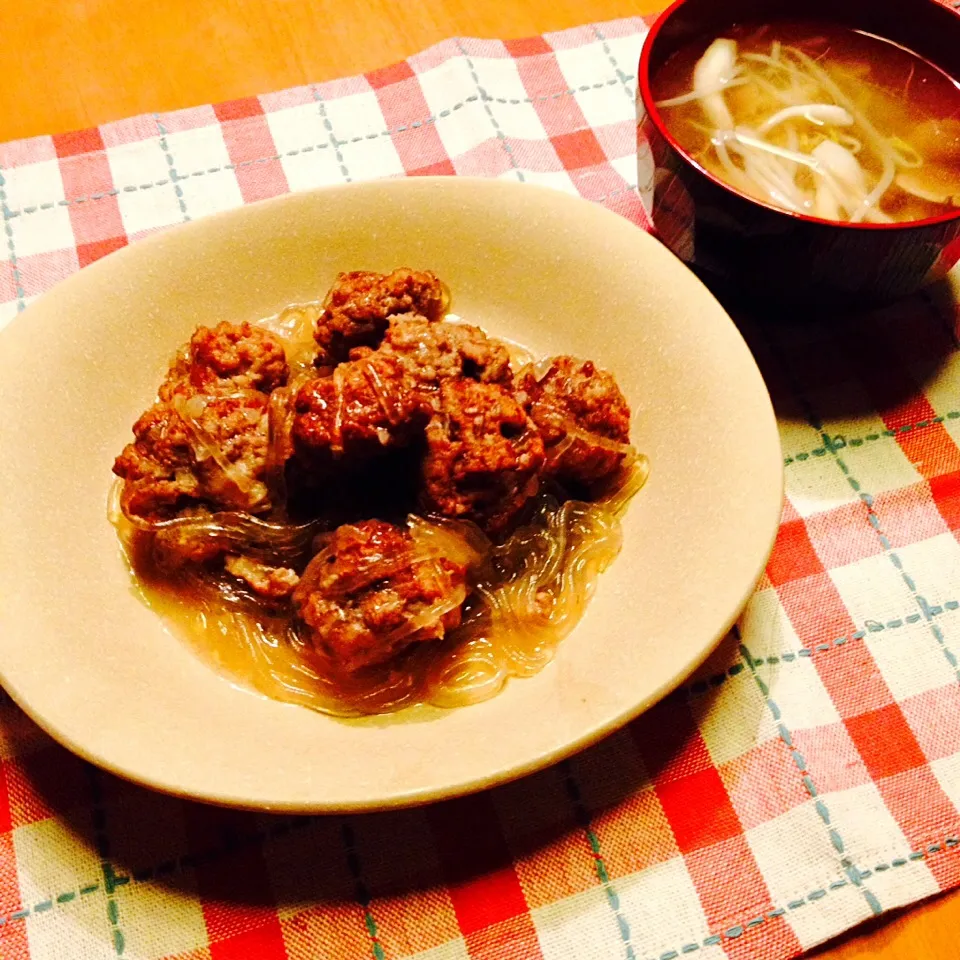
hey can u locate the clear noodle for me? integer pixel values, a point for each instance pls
(528, 595)
(524, 596)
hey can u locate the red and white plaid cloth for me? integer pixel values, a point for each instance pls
(806, 779)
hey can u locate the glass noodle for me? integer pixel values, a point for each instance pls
(526, 594)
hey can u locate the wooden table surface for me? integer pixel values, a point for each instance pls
(78, 63)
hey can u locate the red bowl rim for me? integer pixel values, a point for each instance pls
(646, 95)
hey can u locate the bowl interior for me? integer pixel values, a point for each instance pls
(95, 667)
(925, 27)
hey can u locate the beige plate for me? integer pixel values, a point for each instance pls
(93, 666)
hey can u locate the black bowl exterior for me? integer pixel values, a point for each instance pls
(745, 248)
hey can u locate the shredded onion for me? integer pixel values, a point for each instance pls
(700, 94)
(295, 326)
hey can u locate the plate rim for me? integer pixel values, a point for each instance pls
(427, 794)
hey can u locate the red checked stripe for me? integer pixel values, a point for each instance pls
(945, 491)
(527, 47)
(895, 393)
(403, 104)
(818, 615)
(247, 136)
(924, 824)
(793, 556)
(13, 934)
(931, 449)
(898, 766)
(481, 878)
(686, 782)
(708, 832)
(875, 723)
(5, 816)
(238, 109)
(85, 171)
(238, 907)
(729, 907)
(513, 939)
(575, 144)
(389, 75)
(262, 943)
(77, 142)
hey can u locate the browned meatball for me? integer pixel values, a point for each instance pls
(367, 406)
(384, 398)
(228, 358)
(358, 305)
(483, 455)
(370, 593)
(157, 466)
(205, 440)
(582, 416)
(197, 448)
(434, 352)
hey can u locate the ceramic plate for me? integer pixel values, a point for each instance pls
(96, 668)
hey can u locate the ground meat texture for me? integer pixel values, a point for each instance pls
(357, 308)
(228, 358)
(194, 449)
(272, 583)
(483, 456)
(582, 416)
(370, 594)
(205, 440)
(157, 466)
(366, 407)
(383, 398)
(434, 352)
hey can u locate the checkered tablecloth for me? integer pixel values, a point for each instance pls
(807, 778)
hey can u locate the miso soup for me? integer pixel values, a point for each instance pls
(818, 120)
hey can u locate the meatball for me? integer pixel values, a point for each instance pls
(483, 455)
(191, 449)
(582, 416)
(357, 308)
(434, 352)
(367, 406)
(157, 466)
(384, 398)
(370, 593)
(228, 358)
(205, 440)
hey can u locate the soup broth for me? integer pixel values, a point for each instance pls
(818, 120)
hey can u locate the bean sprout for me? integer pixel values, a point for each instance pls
(782, 128)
